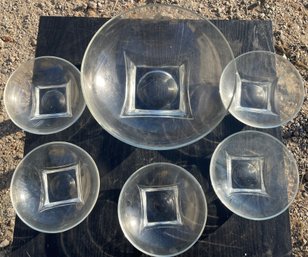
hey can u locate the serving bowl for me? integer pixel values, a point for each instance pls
(43, 95)
(55, 187)
(254, 175)
(266, 89)
(150, 76)
(162, 209)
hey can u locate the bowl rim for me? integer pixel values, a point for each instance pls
(19, 124)
(132, 176)
(212, 170)
(95, 172)
(106, 126)
(279, 57)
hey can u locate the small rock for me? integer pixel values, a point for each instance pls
(252, 6)
(4, 71)
(20, 156)
(11, 223)
(91, 13)
(33, 42)
(1, 118)
(4, 243)
(92, 5)
(41, 5)
(7, 39)
(11, 59)
(262, 15)
(100, 6)
(229, 11)
(1, 44)
(9, 234)
(59, 6)
(80, 7)
(305, 194)
(11, 212)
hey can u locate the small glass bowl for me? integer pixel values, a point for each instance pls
(55, 187)
(254, 175)
(43, 96)
(150, 76)
(162, 209)
(268, 89)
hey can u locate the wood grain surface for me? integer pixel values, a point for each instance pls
(225, 235)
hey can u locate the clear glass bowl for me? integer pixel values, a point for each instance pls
(43, 96)
(268, 89)
(150, 76)
(162, 209)
(254, 175)
(55, 187)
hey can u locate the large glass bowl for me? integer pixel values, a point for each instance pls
(254, 175)
(162, 209)
(150, 76)
(269, 91)
(43, 95)
(55, 187)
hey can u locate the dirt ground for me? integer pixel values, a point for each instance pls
(18, 30)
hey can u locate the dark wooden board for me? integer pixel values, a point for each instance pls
(226, 234)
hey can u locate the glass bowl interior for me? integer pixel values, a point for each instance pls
(162, 209)
(268, 89)
(43, 95)
(55, 187)
(150, 76)
(254, 175)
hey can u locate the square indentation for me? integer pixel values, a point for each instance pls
(52, 101)
(256, 95)
(156, 91)
(245, 174)
(160, 206)
(61, 186)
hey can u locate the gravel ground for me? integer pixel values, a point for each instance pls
(18, 31)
